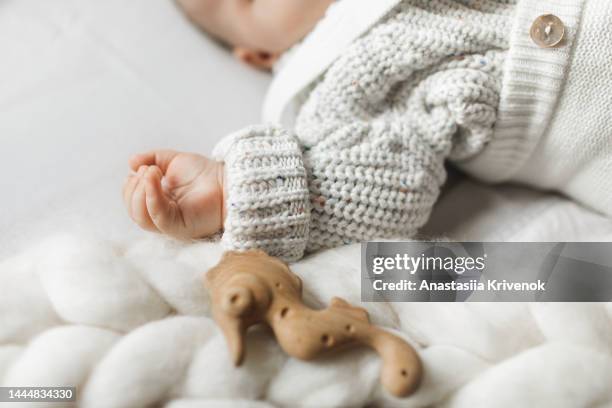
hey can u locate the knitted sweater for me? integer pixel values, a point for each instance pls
(554, 127)
(366, 157)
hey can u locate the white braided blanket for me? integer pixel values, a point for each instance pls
(129, 326)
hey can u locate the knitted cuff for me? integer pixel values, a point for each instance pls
(267, 199)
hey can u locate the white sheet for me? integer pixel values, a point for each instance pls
(85, 83)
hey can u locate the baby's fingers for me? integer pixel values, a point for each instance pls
(164, 212)
(159, 158)
(139, 211)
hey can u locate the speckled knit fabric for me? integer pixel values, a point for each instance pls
(366, 158)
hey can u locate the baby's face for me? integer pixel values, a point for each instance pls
(270, 26)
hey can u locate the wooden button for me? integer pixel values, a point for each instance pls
(547, 31)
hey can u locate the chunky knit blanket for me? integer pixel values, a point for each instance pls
(130, 326)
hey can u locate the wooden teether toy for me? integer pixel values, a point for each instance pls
(249, 288)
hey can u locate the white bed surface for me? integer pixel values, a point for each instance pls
(86, 83)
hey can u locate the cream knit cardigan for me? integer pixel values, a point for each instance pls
(385, 91)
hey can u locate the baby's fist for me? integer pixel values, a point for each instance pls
(179, 194)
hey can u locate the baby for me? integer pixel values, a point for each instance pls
(386, 92)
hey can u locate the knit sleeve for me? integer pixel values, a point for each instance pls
(345, 181)
(366, 180)
(371, 180)
(267, 193)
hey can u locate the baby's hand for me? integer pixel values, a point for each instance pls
(189, 203)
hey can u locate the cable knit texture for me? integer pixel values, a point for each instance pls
(371, 139)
